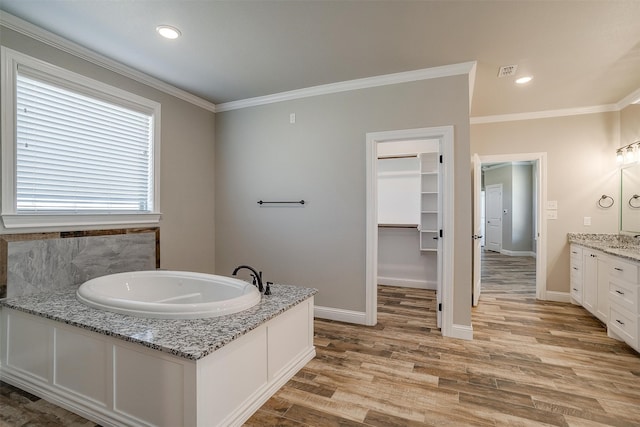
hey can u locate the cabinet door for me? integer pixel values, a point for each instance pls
(602, 307)
(590, 280)
(576, 274)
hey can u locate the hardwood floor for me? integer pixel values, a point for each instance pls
(530, 363)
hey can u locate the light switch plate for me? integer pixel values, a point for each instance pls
(587, 220)
(552, 214)
(552, 204)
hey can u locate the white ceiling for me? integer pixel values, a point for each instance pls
(581, 53)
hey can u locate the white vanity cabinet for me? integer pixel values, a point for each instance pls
(608, 286)
(576, 274)
(595, 296)
(624, 297)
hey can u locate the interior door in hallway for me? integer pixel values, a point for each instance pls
(478, 219)
(493, 216)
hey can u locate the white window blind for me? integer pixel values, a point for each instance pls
(79, 154)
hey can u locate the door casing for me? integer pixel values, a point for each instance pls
(540, 160)
(445, 136)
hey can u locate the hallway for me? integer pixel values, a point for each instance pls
(508, 276)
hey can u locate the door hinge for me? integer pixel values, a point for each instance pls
(441, 161)
(441, 233)
(440, 306)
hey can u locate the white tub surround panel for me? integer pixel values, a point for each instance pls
(117, 369)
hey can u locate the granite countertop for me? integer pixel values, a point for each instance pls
(191, 339)
(623, 246)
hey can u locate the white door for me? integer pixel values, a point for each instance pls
(478, 217)
(493, 227)
(439, 253)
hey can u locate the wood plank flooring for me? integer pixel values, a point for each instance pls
(530, 363)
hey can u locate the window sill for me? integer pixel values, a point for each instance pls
(52, 221)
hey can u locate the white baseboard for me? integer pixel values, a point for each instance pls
(517, 253)
(407, 283)
(557, 296)
(462, 332)
(348, 316)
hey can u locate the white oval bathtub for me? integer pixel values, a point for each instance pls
(168, 294)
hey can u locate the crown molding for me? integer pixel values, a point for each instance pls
(632, 98)
(544, 114)
(472, 83)
(30, 30)
(364, 83)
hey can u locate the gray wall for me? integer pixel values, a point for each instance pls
(521, 206)
(402, 263)
(517, 196)
(187, 156)
(321, 158)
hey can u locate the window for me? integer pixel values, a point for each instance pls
(76, 152)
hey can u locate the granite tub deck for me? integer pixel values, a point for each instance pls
(627, 247)
(191, 339)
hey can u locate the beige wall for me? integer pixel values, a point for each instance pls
(580, 168)
(629, 124)
(187, 156)
(321, 158)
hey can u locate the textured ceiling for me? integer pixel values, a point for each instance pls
(581, 53)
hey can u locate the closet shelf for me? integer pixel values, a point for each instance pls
(429, 202)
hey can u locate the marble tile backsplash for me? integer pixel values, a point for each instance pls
(35, 265)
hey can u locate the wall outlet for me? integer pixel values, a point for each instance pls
(552, 204)
(552, 214)
(292, 118)
(587, 220)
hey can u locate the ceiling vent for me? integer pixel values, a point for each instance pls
(507, 70)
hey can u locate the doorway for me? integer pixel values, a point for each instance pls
(538, 227)
(444, 292)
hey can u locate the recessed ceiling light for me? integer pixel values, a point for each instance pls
(169, 32)
(524, 80)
